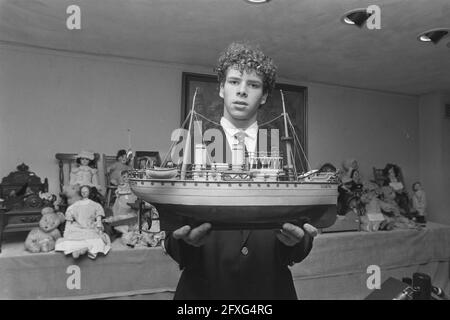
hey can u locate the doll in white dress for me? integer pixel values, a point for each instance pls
(84, 174)
(419, 199)
(84, 228)
(124, 196)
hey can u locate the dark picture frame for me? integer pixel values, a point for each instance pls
(152, 156)
(209, 104)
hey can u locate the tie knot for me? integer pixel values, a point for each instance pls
(240, 136)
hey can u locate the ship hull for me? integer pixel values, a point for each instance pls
(231, 205)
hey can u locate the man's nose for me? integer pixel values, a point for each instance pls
(242, 90)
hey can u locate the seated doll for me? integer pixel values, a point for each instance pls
(121, 164)
(84, 228)
(350, 193)
(124, 196)
(86, 175)
(392, 175)
(419, 201)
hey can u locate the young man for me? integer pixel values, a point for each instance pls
(240, 264)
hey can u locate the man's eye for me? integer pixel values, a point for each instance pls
(233, 81)
(254, 85)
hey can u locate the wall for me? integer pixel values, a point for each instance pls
(435, 155)
(374, 128)
(56, 102)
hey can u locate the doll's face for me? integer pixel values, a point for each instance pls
(84, 192)
(123, 159)
(391, 173)
(417, 187)
(124, 178)
(84, 161)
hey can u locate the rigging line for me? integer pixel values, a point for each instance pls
(209, 120)
(174, 142)
(270, 121)
(298, 141)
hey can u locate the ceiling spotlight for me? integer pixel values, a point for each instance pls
(356, 17)
(433, 35)
(257, 1)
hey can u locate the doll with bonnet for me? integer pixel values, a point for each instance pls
(84, 174)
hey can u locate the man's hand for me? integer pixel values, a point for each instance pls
(195, 237)
(291, 234)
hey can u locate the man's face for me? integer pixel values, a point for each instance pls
(242, 94)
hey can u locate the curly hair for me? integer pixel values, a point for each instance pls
(245, 57)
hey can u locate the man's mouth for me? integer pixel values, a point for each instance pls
(242, 103)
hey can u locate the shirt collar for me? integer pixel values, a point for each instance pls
(230, 129)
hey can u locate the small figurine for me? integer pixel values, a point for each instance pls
(84, 228)
(350, 193)
(124, 196)
(392, 175)
(115, 170)
(419, 200)
(43, 239)
(84, 174)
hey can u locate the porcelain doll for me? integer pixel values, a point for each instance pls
(124, 196)
(392, 175)
(419, 200)
(121, 164)
(84, 174)
(84, 228)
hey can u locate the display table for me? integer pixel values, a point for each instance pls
(335, 269)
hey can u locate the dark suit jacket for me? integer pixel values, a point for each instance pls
(237, 265)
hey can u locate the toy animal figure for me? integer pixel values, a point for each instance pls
(43, 239)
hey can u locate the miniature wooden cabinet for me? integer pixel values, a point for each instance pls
(21, 207)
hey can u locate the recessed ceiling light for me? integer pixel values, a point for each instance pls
(257, 1)
(356, 17)
(433, 35)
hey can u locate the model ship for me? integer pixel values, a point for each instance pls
(254, 191)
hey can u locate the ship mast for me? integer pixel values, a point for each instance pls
(187, 145)
(288, 140)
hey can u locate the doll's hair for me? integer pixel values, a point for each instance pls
(390, 166)
(352, 172)
(121, 152)
(84, 186)
(327, 167)
(124, 172)
(90, 164)
(414, 185)
(245, 57)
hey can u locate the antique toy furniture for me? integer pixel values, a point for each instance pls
(22, 205)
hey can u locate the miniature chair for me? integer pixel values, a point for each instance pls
(379, 177)
(110, 188)
(65, 163)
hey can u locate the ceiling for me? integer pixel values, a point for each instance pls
(305, 37)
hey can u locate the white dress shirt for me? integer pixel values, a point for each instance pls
(231, 130)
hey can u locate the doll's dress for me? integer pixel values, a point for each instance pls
(84, 175)
(419, 202)
(121, 207)
(80, 231)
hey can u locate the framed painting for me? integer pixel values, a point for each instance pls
(210, 105)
